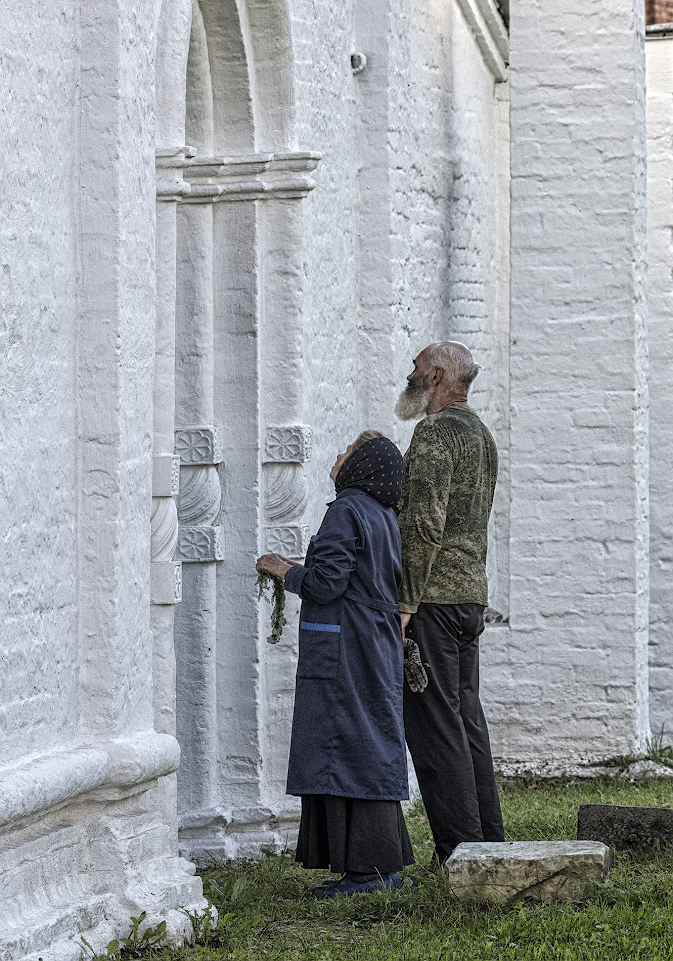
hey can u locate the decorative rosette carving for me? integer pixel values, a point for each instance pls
(290, 540)
(200, 494)
(288, 444)
(286, 492)
(164, 529)
(199, 444)
(200, 544)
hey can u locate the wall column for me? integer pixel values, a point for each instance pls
(659, 51)
(198, 443)
(166, 574)
(573, 680)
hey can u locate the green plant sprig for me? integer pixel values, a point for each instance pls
(278, 621)
(133, 946)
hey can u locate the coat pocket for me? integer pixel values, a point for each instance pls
(318, 650)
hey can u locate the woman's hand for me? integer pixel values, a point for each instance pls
(289, 561)
(273, 564)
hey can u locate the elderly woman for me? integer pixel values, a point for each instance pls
(347, 756)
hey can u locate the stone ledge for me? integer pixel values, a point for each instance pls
(503, 873)
(550, 770)
(219, 834)
(45, 782)
(573, 770)
(49, 781)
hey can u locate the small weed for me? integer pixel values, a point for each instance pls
(134, 945)
(658, 750)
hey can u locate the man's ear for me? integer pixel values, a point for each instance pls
(436, 377)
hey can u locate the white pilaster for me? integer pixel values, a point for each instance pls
(572, 677)
(659, 52)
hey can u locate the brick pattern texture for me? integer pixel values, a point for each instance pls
(659, 11)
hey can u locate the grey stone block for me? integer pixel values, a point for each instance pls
(506, 872)
(626, 828)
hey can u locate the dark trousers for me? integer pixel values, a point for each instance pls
(446, 729)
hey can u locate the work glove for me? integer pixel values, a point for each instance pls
(414, 671)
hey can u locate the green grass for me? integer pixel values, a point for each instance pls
(267, 912)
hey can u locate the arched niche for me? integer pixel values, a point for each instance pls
(228, 321)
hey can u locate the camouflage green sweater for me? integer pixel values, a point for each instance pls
(451, 470)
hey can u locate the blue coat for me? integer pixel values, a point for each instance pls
(347, 731)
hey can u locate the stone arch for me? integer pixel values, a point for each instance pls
(228, 62)
(199, 107)
(252, 72)
(173, 31)
(267, 33)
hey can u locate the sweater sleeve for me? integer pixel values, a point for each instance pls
(333, 559)
(422, 518)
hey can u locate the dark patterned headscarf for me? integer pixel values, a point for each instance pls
(376, 468)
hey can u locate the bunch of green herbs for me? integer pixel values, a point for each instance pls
(278, 621)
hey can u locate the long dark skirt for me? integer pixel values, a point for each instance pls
(349, 834)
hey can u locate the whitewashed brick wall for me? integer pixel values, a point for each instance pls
(38, 692)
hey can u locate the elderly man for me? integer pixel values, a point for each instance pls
(451, 470)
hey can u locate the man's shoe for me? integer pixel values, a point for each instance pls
(346, 886)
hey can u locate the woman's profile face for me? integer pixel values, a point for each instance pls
(339, 462)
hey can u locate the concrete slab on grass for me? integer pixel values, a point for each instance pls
(510, 871)
(627, 828)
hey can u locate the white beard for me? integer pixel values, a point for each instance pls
(413, 401)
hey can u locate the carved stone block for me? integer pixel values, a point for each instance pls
(291, 540)
(166, 583)
(199, 444)
(288, 444)
(165, 475)
(164, 529)
(285, 493)
(200, 544)
(200, 494)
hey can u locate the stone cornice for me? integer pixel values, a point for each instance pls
(281, 175)
(170, 162)
(490, 33)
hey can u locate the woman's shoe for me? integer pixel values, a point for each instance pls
(319, 888)
(347, 886)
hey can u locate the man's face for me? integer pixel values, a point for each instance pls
(414, 400)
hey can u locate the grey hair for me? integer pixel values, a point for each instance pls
(458, 366)
(365, 437)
